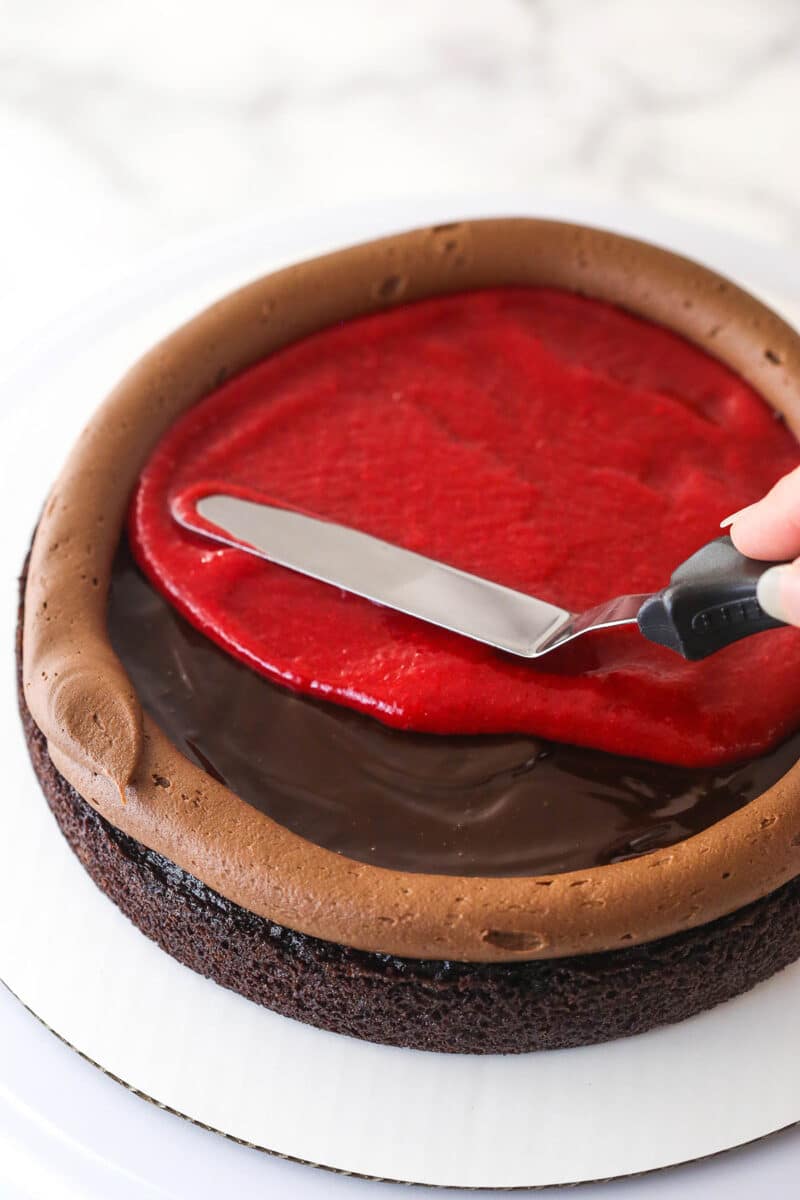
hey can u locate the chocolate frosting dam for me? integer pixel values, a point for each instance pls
(121, 762)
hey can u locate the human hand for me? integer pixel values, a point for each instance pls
(770, 529)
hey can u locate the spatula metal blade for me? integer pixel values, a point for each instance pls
(384, 573)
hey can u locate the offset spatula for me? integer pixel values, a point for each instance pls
(709, 602)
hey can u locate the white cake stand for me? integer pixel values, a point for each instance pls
(718, 1081)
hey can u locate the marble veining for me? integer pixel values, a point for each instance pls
(125, 127)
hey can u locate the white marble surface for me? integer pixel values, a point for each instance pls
(125, 126)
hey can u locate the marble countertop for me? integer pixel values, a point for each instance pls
(125, 127)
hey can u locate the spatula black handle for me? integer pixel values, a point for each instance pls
(709, 603)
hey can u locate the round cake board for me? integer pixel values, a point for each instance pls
(722, 1079)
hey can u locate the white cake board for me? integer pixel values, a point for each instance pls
(719, 1080)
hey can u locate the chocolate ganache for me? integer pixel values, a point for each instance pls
(455, 805)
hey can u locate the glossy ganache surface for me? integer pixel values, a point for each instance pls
(481, 805)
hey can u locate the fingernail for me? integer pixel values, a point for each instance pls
(729, 520)
(774, 593)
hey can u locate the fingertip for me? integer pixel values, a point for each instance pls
(728, 521)
(767, 531)
(748, 533)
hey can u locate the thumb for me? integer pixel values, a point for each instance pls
(778, 592)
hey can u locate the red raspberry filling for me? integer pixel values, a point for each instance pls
(544, 440)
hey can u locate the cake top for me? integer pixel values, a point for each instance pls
(123, 764)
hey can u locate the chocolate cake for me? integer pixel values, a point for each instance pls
(468, 892)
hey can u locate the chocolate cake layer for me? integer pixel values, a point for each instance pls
(498, 806)
(481, 1008)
